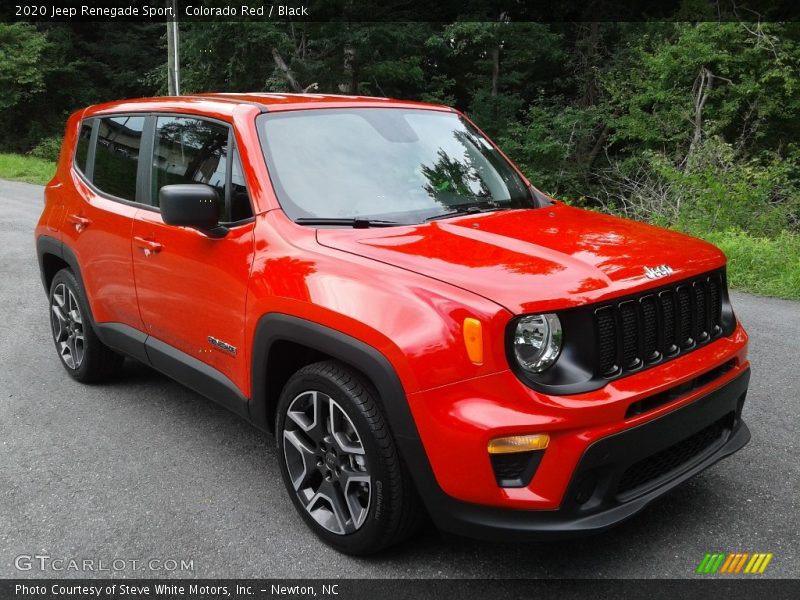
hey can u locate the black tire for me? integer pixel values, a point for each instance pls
(89, 360)
(393, 512)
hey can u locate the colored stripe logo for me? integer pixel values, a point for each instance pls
(734, 562)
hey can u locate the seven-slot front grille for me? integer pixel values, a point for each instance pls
(658, 325)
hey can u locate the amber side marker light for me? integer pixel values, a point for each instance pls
(473, 339)
(518, 443)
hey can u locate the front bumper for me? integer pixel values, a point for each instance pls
(618, 475)
(456, 422)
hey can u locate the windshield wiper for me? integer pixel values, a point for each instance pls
(355, 223)
(469, 209)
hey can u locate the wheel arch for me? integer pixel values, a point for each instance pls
(283, 342)
(54, 255)
(275, 329)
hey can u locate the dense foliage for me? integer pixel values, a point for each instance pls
(690, 125)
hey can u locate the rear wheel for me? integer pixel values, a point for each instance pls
(81, 352)
(340, 463)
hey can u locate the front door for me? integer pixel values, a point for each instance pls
(192, 288)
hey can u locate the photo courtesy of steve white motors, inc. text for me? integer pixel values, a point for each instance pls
(156, 11)
(172, 590)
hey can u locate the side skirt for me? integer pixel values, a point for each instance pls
(183, 368)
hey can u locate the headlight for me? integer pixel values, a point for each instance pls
(537, 341)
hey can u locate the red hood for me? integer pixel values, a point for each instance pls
(534, 260)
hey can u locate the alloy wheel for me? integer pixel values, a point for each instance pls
(326, 462)
(67, 326)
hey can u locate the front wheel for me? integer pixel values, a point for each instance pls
(340, 463)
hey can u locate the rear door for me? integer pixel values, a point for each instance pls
(192, 288)
(99, 224)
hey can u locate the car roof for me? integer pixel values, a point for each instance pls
(225, 103)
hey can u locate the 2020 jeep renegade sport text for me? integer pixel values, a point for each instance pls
(375, 283)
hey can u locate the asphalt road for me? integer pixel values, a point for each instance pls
(143, 468)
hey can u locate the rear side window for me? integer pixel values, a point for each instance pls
(117, 155)
(189, 150)
(82, 147)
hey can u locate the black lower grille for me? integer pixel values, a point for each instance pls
(669, 459)
(665, 397)
(656, 325)
(515, 469)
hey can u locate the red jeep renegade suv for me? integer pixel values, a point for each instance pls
(375, 283)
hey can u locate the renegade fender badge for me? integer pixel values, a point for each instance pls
(222, 345)
(659, 271)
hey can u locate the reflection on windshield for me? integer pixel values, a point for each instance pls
(450, 176)
(384, 163)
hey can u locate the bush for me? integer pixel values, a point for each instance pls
(750, 208)
(767, 266)
(759, 195)
(47, 149)
(716, 191)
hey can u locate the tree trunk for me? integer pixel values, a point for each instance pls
(598, 145)
(589, 77)
(700, 91)
(495, 69)
(586, 51)
(496, 53)
(284, 68)
(350, 84)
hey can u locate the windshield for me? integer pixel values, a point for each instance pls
(396, 165)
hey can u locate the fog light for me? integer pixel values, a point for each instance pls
(518, 443)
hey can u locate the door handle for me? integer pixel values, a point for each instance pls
(80, 222)
(149, 246)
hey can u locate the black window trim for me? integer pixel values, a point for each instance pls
(92, 149)
(144, 170)
(89, 150)
(145, 167)
(232, 149)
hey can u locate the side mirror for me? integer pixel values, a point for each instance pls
(192, 205)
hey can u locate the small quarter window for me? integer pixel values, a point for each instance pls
(82, 146)
(117, 155)
(240, 200)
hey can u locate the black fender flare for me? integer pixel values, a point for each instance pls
(50, 245)
(118, 336)
(275, 327)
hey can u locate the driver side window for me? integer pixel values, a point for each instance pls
(189, 150)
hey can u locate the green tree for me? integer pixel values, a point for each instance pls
(21, 75)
